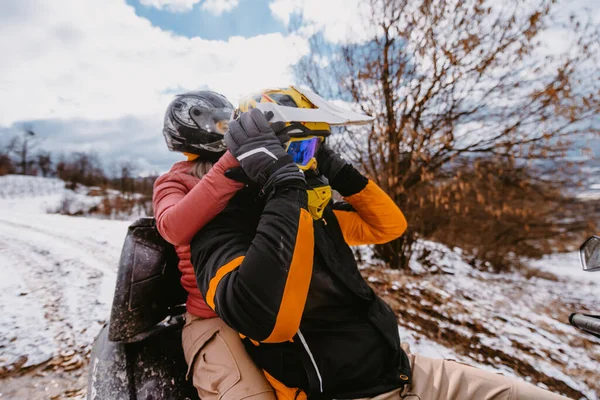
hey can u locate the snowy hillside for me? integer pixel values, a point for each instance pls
(57, 275)
(37, 194)
(504, 322)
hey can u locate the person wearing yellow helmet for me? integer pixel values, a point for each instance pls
(280, 270)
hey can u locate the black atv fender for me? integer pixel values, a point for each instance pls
(109, 378)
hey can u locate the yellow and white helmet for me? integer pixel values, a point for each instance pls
(308, 119)
(304, 112)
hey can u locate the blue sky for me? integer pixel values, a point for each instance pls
(91, 75)
(249, 18)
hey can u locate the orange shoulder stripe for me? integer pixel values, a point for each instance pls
(214, 282)
(297, 283)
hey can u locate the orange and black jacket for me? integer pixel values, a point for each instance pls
(291, 286)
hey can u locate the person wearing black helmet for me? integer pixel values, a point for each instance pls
(188, 196)
(195, 123)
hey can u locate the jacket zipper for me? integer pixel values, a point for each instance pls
(312, 359)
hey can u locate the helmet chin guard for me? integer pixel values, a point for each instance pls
(318, 198)
(319, 194)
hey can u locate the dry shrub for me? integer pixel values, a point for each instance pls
(6, 165)
(498, 212)
(119, 206)
(96, 192)
(471, 122)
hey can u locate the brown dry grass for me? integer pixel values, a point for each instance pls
(427, 310)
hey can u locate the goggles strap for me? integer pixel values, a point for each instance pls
(304, 131)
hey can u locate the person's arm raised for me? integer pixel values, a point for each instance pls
(367, 215)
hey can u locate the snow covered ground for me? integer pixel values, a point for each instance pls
(503, 322)
(57, 275)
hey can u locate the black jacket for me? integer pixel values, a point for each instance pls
(291, 286)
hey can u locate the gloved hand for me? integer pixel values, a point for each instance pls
(260, 153)
(329, 163)
(237, 173)
(278, 128)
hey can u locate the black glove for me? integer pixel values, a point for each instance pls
(342, 176)
(278, 128)
(237, 173)
(261, 155)
(329, 163)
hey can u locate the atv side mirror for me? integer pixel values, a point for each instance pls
(589, 254)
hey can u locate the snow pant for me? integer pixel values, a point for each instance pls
(438, 379)
(218, 363)
(221, 369)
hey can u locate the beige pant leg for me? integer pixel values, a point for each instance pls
(218, 363)
(527, 391)
(437, 379)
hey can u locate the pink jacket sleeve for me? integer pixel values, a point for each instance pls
(179, 214)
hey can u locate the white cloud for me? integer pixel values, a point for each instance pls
(218, 7)
(171, 5)
(128, 138)
(342, 21)
(283, 9)
(64, 64)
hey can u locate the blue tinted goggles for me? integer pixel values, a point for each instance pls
(303, 151)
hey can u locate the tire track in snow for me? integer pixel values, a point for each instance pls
(63, 274)
(94, 253)
(45, 282)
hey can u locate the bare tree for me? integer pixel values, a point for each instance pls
(125, 176)
(455, 83)
(26, 144)
(81, 168)
(44, 162)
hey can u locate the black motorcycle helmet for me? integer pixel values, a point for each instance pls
(195, 123)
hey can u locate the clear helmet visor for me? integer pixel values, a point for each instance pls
(211, 120)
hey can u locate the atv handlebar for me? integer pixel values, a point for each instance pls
(588, 323)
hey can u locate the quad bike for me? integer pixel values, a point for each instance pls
(138, 354)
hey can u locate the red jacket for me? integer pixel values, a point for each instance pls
(183, 204)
